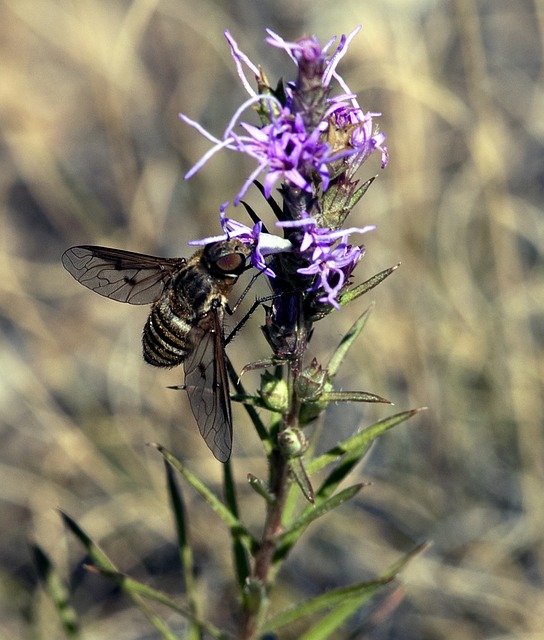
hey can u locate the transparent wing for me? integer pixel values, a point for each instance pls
(121, 275)
(206, 382)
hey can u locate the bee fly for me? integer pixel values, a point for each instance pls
(186, 321)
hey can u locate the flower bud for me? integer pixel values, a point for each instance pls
(274, 393)
(311, 382)
(292, 442)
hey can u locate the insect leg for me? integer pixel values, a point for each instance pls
(247, 315)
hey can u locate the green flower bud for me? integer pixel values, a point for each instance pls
(292, 442)
(274, 393)
(311, 382)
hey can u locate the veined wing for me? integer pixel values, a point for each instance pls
(207, 385)
(135, 278)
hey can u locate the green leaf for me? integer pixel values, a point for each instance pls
(287, 539)
(236, 527)
(346, 342)
(106, 566)
(341, 196)
(296, 466)
(139, 589)
(241, 559)
(99, 558)
(356, 595)
(344, 602)
(330, 623)
(56, 590)
(367, 285)
(352, 450)
(185, 551)
(360, 192)
(351, 294)
(352, 396)
(260, 487)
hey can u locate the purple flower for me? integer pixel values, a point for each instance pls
(284, 150)
(310, 143)
(303, 136)
(309, 50)
(332, 262)
(332, 266)
(345, 114)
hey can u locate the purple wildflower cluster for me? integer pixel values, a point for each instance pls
(311, 144)
(330, 260)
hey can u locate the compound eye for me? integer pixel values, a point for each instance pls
(231, 263)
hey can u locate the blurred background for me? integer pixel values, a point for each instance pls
(93, 152)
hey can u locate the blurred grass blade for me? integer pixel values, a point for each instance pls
(354, 596)
(185, 551)
(96, 554)
(241, 559)
(56, 590)
(288, 538)
(352, 450)
(106, 566)
(345, 601)
(213, 501)
(398, 566)
(141, 590)
(328, 626)
(346, 342)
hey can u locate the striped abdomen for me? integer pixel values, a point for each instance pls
(187, 298)
(165, 336)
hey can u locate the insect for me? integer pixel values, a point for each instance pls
(185, 325)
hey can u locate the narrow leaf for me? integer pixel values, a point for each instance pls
(367, 285)
(346, 342)
(259, 487)
(360, 192)
(344, 602)
(105, 565)
(398, 566)
(185, 551)
(288, 538)
(248, 400)
(213, 501)
(353, 396)
(352, 450)
(136, 588)
(95, 552)
(329, 624)
(56, 590)
(241, 560)
(359, 593)
(296, 466)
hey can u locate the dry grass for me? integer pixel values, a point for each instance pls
(93, 152)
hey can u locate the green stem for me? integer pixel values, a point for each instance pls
(278, 487)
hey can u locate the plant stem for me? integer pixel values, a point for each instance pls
(278, 486)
